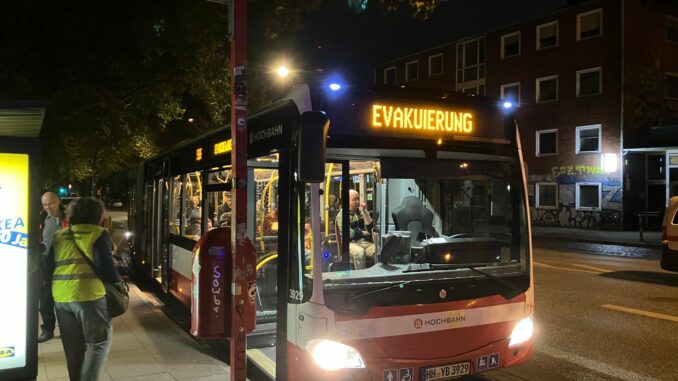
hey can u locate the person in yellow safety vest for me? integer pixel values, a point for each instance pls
(78, 289)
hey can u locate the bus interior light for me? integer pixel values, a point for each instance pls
(522, 332)
(332, 355)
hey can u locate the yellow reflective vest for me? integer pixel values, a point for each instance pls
(74, 280)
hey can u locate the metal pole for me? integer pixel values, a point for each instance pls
(239, 239)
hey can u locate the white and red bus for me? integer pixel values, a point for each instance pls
(445, 285)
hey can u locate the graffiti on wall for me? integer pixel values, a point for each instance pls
(566, 214)
(577, 170)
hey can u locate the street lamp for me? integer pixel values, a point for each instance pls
(282, 71)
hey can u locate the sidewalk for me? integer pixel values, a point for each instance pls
(146, 346)
(652, 239)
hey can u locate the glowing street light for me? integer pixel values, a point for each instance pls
(282, 71)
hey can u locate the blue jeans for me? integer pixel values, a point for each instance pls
(86, 336)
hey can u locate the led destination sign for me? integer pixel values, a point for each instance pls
(223, 147)
(396, 117)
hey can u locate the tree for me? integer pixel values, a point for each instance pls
(648, 104)
(420, 9)
(125, 79)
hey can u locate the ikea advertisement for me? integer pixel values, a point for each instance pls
(13, 259)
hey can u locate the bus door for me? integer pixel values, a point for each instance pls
(280, 208)
(264, 182)
(264, 227)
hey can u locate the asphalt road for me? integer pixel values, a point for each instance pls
(602, 313)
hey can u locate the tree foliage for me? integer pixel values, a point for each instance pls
(421, 9)
(648, 104)
(123, 78)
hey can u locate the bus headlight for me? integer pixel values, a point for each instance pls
(522, 332)
(332, 355)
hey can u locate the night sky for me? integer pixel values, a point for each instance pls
(353, 43)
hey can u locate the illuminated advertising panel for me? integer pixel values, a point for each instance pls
(13, 259)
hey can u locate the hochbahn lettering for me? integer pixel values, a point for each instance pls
(266, 133)
(420, 323)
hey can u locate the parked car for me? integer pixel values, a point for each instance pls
(669, 260)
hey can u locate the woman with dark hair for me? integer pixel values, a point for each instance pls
(78, 289)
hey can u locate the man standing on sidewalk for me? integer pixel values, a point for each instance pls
(54, 221)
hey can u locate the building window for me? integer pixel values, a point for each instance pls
(588, 139)
(471, 63)
(589, 24)
(546, 195)
(547, 35)
(547, 89)
(588, 196)
(547, 142)
(672, 85)
(412, 71)
(435, 64)
(589, 81)
(511, 92)
(390, 75)
(472, 89)
(510, 45)
(671, 29)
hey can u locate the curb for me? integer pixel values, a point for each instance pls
(600, 242)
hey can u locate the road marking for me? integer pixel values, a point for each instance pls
(541, 264)
(641, 312)
(600, 269)
(594, 365)
(264, 361)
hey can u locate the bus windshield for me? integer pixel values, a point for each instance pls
(425, 222)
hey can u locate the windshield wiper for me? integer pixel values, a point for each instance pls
(400, 284)
(506, 288)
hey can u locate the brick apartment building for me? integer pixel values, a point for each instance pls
(597, 88)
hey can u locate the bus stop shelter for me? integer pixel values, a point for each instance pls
(20, 125)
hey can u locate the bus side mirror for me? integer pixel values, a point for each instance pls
(311, 153)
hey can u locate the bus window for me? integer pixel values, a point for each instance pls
(455, 212)
(219, 206)
(192, 211)
(361, 215)
(174, 217)
(434, 219)
(219, 177)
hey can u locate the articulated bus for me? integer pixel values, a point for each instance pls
(410, 258)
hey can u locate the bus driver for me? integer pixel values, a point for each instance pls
(360, 232)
